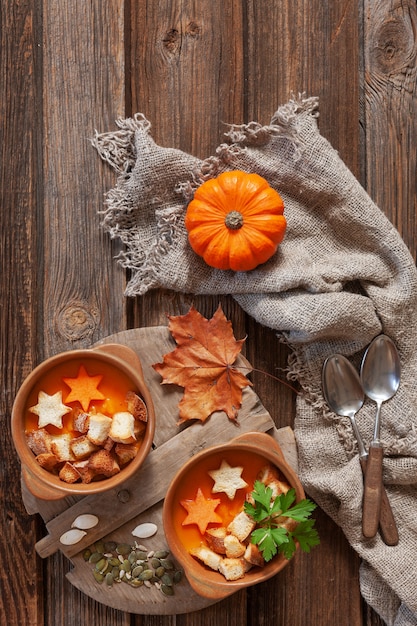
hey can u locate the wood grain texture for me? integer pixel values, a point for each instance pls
(20, 173)
(390, 111)
(191, 67)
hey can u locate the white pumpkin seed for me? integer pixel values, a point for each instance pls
(70, 537)
(85, 521)
(143, 531)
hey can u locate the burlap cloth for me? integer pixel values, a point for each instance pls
(341, 276)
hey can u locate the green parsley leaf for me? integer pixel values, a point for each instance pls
(269, 514)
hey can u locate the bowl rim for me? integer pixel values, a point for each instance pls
(210, 583)
(32, 469)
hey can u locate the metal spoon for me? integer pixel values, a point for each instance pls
(380, 375)
(344, 394)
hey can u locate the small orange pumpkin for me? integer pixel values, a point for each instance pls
(235, 221)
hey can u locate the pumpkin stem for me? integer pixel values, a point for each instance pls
(234, 220)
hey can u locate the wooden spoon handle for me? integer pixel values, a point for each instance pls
(372, 491)
(387, 526)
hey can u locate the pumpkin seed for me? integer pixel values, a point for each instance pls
(95, 557)
(99, 547)
(160, 571)
(110, 546)
(86, 554)
(168, 591)
(137, 570)
(109, 579)
(85, 521)
(126, 566)
(98, 576)
(71, 537)
(132, 558)
(167, 563)
(124, 549)
(144, 531)
(161, 554)
(177, 578)
(146, 574)
(155, 563)
(166, 579)
(135, 582)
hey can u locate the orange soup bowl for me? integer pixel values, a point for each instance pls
(62, 414)
(251, 451)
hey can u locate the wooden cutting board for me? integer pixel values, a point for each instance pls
(140, 499)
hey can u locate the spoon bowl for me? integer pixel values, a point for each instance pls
(343, 392)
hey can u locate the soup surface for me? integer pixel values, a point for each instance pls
(200, 478)
(84, 420)
(114, 385)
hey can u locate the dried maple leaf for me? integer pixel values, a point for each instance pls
(202, 364)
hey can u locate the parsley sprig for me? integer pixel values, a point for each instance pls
(269, 535)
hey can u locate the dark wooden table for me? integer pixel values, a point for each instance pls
(68, 68)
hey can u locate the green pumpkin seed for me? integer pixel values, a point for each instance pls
(110, 546)
(177, 577)
(86, 554)
(124, 549)
(99, 547)
(168, 591)
(137, 570)
(98, 576)
(161, 554)
(95, 557)
(166, 579)
(126, 566)
(146, 574)
(167, 563)
(160, 571)
(109, 579)
(102, 566)
(141, 556)
(155, 563)
(135, 582)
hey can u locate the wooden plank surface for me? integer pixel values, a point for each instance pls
(190, 66)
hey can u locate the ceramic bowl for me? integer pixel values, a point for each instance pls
(117, 359)
(205, 581)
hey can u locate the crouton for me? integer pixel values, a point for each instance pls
(122, 428)
(81, 421)
(215, 539)
(68, 473)
(233, 547)
(139, 429)
(232, 569)
(103, 462)
(241, 526)
(98, 428)
(207, 556)
(47, 460)
(82, 447)
(39, 441)
(61, 447)
(253, 555)
(273, 479)
(227, 479)
(108, 444)
(136, 406)
(85, 471)
(125, 452)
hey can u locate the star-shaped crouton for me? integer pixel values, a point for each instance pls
(227, 479)
(50, 409)
(201, 511)
(84, 388)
